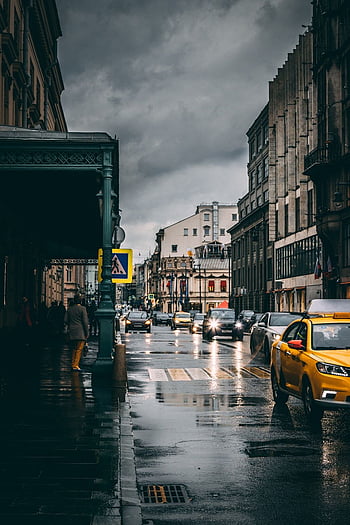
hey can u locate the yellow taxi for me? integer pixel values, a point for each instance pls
(180, 320)
(311, 360)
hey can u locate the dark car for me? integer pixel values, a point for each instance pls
(138, 321)
(219, 322)
(238, 331)
(246, 318)
(196, 323)
(160, 318)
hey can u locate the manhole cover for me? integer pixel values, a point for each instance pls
(160, 494)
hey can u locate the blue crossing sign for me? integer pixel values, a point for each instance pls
(121, 265)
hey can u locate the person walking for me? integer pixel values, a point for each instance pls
(25, 321)
(77, 321)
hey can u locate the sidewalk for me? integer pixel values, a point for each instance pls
(66, 444)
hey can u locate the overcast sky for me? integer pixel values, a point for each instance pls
(179, 82)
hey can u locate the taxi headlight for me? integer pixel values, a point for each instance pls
(275, 336)
(333, 370)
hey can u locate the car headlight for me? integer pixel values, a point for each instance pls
(275, 336)
(148, 321)
(238, 324)
(214, 324)
(127, 321)
(333, 370)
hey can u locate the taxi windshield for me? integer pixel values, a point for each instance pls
(331, 336)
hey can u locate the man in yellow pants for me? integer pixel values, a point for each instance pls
(77, 321)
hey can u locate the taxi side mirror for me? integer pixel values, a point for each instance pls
(297, 344)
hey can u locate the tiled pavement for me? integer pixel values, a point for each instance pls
(66, 447)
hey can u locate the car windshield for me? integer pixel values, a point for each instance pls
(331, 336)
(183, 316)
(137, 315)
(198, 317)
(283, 318)
(224, 314)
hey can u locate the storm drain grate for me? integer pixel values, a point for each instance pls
(157, 494)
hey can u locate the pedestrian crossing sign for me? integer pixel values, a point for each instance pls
(121, 265)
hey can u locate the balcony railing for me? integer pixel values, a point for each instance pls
(321, 157)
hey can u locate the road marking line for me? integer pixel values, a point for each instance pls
(197, 373)
(178, 374)
(218, 373)
(258, 372)
(157, 374)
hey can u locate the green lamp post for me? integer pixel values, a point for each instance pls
(106, 311)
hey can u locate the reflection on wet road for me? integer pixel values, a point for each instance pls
(204, 420)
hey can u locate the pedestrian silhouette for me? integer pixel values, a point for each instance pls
(77, 321)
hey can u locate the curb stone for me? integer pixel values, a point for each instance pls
(130, 499)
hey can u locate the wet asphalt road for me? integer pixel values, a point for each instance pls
(212, 448)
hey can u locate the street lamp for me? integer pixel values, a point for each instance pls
(197, 267)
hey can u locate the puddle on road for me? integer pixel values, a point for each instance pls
(280, 448)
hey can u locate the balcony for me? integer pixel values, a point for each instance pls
(321, 158)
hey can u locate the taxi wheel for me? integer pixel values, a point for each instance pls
(279, 397)
(312, 411)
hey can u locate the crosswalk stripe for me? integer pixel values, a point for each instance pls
(197, 374)
(218, 373)
(157, 374)
(178, 374)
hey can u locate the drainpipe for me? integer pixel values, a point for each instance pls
(28, 5)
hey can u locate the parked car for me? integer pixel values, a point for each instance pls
(219, 322)
(246, 316)
(138, 321)
(160, 318)
(196, 324)
(268, 329)
(180, 320)
(311, 360)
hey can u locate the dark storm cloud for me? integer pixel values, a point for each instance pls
(179, 82)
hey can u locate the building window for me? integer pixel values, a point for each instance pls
(259, 200)
(185, 232)
(69, 274)
(266, 195)
(211, 286)
(17, 32)
(259, 174)
(266, 168)
(222, 231)
(310, 207)
(297, 214)
(38, 95)
(194, 232)
(234, 216)
(346, 244)
(223, 286)
(174, 247)
(206, 216)
(286, 218)
(206, 231)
